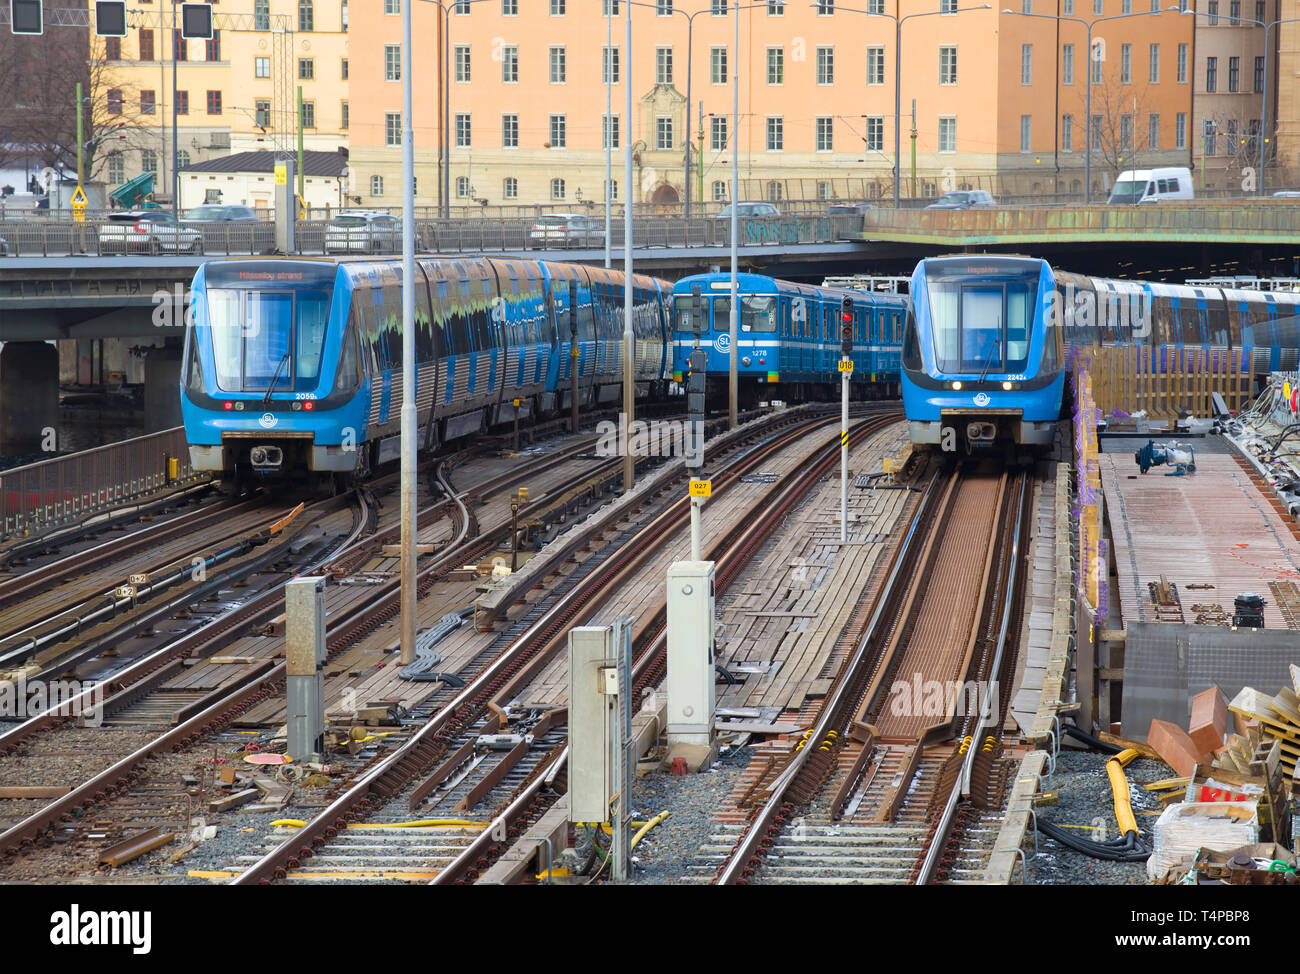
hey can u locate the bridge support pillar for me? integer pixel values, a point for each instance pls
(162, 397)
(29, 395)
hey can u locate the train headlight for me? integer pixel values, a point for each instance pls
(296, 407)
(956, 386)
(745, 361)
(239, 405)
(1006, 386)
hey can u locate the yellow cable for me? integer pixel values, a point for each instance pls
(647, 827)
(429, 823)
(1119, 788)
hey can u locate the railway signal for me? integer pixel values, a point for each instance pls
(110, 18)
(26, 17)
(196, 21)
(846, 326)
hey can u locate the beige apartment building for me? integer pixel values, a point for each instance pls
(1230, 83)
(1000, 97)
(235, 93)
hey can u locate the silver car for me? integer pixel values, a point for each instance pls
(147, 231)
(362, 232)
(567, 230)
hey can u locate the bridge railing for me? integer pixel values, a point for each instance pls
(62, 489)
(1188, 220)
(49, 238)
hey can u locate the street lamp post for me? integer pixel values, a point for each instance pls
(629, 342)
(898, 72)
(409, 593)
(1087, 110)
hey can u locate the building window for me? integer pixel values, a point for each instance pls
(1025, 123)
(1259, 75)
(112, 48)
(182, 103)
(214, 103)
(146, 45)
(1098, 59)
(1026, 64)
(1126, 133)
(875, 139)
(609, 131)
(462, 8)
(718, 8)
(1153, 69)
(510, 188)
(947, 65)
(718, 65)
(510, 8)
(309, 114)
(1026, 6)
(392, 7)
(1182, 64)
(115, 101)
(462, 130)
(775, 191)
(1234, 9)
(663, 132)
(611, 190)
(559, 131)
(1234, 73)
(392, 128)
(261, 14)
(1153, 130)
(1098, 7)
(376, 185)
(775, 8)
(261, 67)
(1126, 6)
(664, 8)
(1212, 12)
(557, 66)
(212, 46)
(306, 69)
(1211, 73)
(510, 131)
(343, 115)
(510, 65)
(1260, 15)
(148, 101)
(306, 16)
(1067, 133)
(876, 6)
(718, 133)
(776, 65)
(775, 133)
(462, 63)
(182, 159)
(826, 65)
(149, 161)
(1208, 136)
(947, 133)
(609, 67)
(719, 186)
(1126, 64)
(947, 6)
(825, 8)
(610, 8)
(1252, 147)
(1068, 6)
(663, 65)
(343, 69)
(392, 62)
(1232, 143)
(179, 46)
(1180, 130)
(825, 133)
(557, 8)
(262, 112)
(1096, 129)
(875, 65)
(557, 189)
(116, 167)
(1067, 64)
(462, 187)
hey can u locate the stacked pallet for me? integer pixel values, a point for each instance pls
(1265, 718)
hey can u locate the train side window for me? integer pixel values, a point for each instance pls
(1162, 318)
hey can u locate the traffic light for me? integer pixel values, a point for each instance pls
(846, 326)
(696, 373)
(196, 21)
(26, 17)
(110, 18)
(697, 310)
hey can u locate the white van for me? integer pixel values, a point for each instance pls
(1152, 185)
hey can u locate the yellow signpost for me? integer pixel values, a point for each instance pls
(846, 365)
(282, 175)
(79, 205)
(701, 488)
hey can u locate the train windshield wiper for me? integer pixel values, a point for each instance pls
(266, 400)
(988, 359)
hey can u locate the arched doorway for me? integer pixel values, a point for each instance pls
(664, 193)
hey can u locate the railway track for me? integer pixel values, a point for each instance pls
(431, 759)
(882, 788)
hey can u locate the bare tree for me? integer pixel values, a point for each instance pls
(1119, 136)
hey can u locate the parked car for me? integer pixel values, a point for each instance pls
(1153, 185)
(363, 232)
(749, 210)
(231, 229)
(217, 213)
(962, 200)
(848, 209)
(148, 231)
(1289, 194)
(567, 230)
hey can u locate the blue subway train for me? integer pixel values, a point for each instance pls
(988, 340)
(292, 367)
(788, 337)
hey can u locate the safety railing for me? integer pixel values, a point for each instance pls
(62, 489)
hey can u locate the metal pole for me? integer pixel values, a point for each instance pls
(898, 101)
(844, 455)
(733, 381)
(302, 191)
(176, 180)
(1263, 114)
(690, 29)
(1087, 136)
(80, 139)
(697, 537)
(609, 132)
(409, 594)
(629, 348)
(446, 109)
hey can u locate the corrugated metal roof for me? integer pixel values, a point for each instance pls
(1213, 527)
(314, 163)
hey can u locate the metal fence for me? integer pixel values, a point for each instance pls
(63, 489)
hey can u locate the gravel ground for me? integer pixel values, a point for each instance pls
(1086, 800)
(663, 856)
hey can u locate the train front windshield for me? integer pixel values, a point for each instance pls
(982, 326)
(267, 340)
(757, 313)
